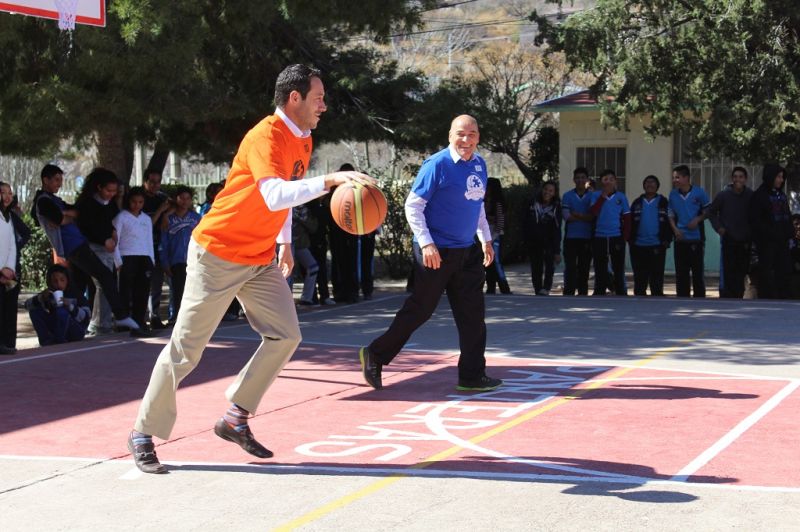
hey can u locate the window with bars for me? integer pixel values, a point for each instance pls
(598, 158)
(711, 173)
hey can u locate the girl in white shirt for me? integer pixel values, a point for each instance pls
(9, 291)
(135, 245)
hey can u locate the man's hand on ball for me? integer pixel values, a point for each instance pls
(340, 178)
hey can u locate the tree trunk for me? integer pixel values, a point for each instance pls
(159, 159)
(115, 151)
(527, 171)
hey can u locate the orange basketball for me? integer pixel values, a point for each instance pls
(358, 209)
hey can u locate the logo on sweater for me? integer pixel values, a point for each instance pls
(475, 190)
(298, 170)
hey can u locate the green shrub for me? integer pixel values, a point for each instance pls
(518, 197)
(393, 245)
(37, 256)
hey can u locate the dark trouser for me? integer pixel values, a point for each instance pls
(8, 315)
(689, 262)
(577, 261)
(542, 267)
(648, 269)
(58, 326)
(134, 285)
(774, 265)
(176, 285)
(156, 287)
(84, 259)
(320, 253)
(461, 274)
(603, 250)
(367, 252)
(344, 266)
(735, 264)
(495, 273)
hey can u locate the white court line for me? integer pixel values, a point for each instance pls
(133, 474)
(448, 352)
(575, 362)
(366, 471)
(655, 378)
(560, 361)
(68, 352)
(734, 433)
(52, 458)
(326, 308)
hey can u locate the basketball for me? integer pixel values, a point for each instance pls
(358, 209)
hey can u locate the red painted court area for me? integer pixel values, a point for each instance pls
(549, 422)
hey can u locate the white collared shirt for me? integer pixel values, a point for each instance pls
(279, 194)
(415, 212)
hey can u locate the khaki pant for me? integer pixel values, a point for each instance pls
(211, 285)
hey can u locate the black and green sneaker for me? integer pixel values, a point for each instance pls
(484, 384)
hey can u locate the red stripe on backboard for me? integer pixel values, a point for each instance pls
(52, 14)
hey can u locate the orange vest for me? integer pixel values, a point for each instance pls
(239, 227)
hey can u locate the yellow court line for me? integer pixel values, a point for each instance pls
(388, 481)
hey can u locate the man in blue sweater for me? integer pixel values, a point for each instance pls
(445, 212)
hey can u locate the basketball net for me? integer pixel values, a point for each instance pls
(67, 10)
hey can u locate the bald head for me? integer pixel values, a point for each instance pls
(464, 136)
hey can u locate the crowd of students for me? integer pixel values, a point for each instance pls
(759, 237)
(114, 249)
(118, 248)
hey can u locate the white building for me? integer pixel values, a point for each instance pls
(584, 141)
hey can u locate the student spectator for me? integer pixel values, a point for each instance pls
(651, 235)
(175, 245)
(729, 218)
(156, 205)
(56, 217)
(232, 314)
(320, 208)
(688, 206)
(96, 211)
(366, 259)
(302, 225)
(135, 244)
(494, 203)
(10, 286)
(577, 235)
(344, 259)
(794, 251)
(542, 230)
(60, 313)
(770, 221)
(612, 229)
(211, 192)
(9, 272)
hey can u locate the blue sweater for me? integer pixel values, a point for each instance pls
(454, 193)
(175, 238)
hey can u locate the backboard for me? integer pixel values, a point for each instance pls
(91, 12)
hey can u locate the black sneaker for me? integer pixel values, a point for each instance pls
(484, 384)
(144, 456)
(370, 368)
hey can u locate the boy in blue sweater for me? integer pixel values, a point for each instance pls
(688, 207)
(175, 245)
(612, 229)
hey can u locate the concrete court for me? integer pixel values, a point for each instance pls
(726, 464)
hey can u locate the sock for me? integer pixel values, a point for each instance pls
(236, 417)
(140, 438)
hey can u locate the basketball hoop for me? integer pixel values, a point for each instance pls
(67, 11)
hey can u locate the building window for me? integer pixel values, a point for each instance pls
(597, 159)
(711, 173)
